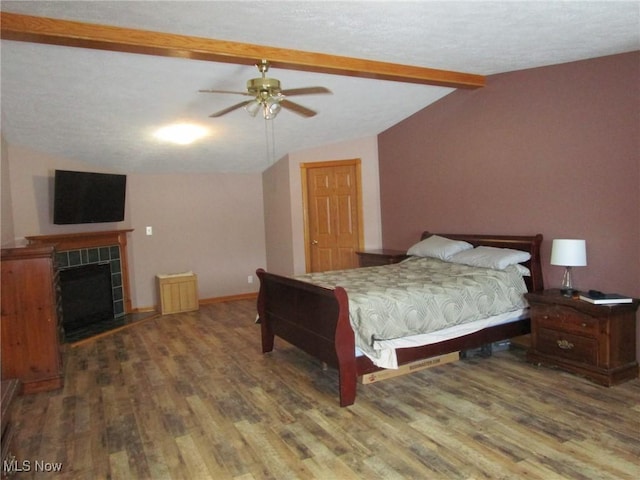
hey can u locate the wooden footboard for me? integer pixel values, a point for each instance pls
(316, 319)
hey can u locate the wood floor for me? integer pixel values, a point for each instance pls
(190, 396)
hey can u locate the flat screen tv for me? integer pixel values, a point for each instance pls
(86, 197)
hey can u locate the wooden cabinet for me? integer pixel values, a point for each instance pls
(31, 328)
(373, 258)
(596, 341)
(8, 393)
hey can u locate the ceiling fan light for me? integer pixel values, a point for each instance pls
(271, 108)
(274, 109)
(253, 107)
(266, 113)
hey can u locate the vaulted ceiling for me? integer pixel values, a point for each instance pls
(101, 102)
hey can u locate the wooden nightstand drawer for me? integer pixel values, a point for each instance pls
(567, 320)
(596, 341)
(567, 346)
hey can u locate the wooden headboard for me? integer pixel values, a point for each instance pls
(525, 243)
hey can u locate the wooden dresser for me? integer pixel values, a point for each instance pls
(8, 392)
(31, 323)
(596, 341)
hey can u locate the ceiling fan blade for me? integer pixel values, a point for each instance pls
(305, 91)
(230, 109)
(224, 91)
(297, 108)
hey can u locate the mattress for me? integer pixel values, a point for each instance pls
(394, 303)
(387, 347)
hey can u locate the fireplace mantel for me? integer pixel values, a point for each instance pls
(73, 241)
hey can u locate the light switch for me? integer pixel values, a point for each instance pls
(149, 230)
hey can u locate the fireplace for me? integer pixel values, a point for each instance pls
(91, 252)
(78, 249)
(86, 295)
(101, 269)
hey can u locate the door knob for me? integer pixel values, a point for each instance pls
(314, 242)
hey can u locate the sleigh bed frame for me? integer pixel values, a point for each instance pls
(316, 319)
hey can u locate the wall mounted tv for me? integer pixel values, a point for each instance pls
(86, 197)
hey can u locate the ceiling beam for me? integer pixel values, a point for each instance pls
(52, 31)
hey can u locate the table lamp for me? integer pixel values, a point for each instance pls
(568, 253)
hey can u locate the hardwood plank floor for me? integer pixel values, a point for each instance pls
(191, 396)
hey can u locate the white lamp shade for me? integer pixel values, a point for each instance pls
(569, 252)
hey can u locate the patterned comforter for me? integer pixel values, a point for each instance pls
(420, 295)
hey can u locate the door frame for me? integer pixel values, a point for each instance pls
(304, 167)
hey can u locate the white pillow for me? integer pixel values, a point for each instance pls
(491, 257)
(438, 247)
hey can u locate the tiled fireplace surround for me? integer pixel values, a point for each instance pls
(77, 249)
(89, 256)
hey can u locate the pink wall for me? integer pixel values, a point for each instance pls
(30, 174)
(6, 203)
(278, 233)
(212, 224)
(366, 149)
(209, 223)
(283, 212)
(554, 150)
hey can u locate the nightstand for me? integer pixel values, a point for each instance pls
(595, 341)
(373, 258)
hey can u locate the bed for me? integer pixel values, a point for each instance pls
(316, 318)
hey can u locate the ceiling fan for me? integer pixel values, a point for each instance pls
(268, 97)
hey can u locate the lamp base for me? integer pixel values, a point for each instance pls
(567, 285)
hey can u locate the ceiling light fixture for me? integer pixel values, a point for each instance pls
(181, 133)
(269, 105)
(268, 97)
(267, 92)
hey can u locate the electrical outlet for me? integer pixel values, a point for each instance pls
(149, 230)
(250, 279)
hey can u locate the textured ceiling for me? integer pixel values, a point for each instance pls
(102, 107)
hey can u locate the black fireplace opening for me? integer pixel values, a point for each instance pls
(87, 296)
